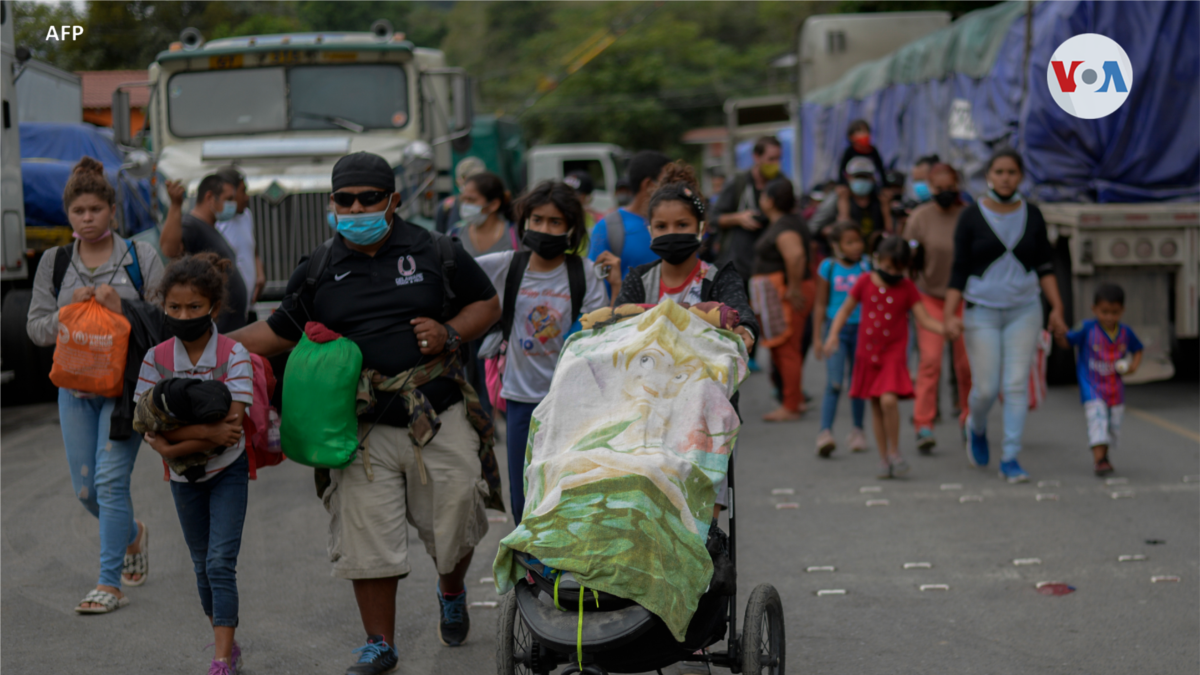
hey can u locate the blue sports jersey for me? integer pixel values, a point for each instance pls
(1096, 363)
(636, 251)
(841, 279)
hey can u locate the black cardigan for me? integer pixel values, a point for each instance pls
(976, 246)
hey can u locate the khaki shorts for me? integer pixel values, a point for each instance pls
(368, 534)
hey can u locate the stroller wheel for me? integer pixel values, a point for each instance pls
(762, 636)
(516, 651)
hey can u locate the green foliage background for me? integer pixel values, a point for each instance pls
(670, 69)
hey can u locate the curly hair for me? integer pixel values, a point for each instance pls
(87, 178)
(677, 183)
(564, 198)
(207, 272)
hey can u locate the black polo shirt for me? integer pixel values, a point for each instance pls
(371, 300)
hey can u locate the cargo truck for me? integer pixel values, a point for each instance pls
(1121, 194)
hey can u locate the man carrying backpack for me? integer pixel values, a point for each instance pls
(408, 299)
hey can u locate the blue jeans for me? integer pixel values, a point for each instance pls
(518, 438)
(838, 369)
(1001, 344)
(211, 514)
(100, 471)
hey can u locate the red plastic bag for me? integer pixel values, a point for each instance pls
(93, 342)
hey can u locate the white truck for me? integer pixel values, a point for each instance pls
(12, 197)
(284, 108)
(605, 163)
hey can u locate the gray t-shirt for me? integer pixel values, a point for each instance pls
(200, 237)
(540, 323)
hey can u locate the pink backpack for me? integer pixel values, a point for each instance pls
(261, 421)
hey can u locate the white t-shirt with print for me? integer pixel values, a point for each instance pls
(540, 323)
(239, 379)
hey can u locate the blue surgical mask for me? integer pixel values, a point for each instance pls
(363, 229)
(862, 186)
(228, 211)
(921, 191)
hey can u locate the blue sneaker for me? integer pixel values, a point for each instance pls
(1012, 472)
(977, 447)
(925, 441)
(454, 623)
(375, 657)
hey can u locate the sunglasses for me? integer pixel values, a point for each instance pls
(371, 198)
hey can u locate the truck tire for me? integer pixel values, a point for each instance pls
(29, 363)
(1060, 369)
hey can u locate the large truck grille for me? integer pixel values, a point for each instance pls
(285, 233)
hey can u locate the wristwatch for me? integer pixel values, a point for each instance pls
(453, 339)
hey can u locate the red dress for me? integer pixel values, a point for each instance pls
(881, 358)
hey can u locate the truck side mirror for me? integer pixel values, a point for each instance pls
(120, 117)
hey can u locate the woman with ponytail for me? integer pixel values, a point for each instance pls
(486, 209)
(101, 265)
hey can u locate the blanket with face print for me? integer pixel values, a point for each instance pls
(623, 459)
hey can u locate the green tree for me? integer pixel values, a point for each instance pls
(31, 24)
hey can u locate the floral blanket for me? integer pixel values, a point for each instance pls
(624, 456)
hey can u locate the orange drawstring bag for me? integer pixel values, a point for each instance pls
(93, 342)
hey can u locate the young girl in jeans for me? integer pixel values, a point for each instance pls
(835, 277)
(550, 221)
(881, 373)
(212, 506)
(110, 269)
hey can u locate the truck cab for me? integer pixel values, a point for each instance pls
(285, 108)
(605, 163)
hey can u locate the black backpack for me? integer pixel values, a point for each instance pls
(318, 262)
(62, 262)
(512, 285)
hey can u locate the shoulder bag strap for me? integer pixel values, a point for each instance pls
(578, 285)
(445, 251)
(134, 268)
(614, 228)
(62, 262)
(512, 285)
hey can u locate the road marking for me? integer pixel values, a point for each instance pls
(1117, 481)
(1123, 495)
(1027, 561)
(1048, 483)
(1160, 579)
(1131, 558)
(486, 604)
(935, 587)
(1160, 422)
(918, 566)
(969, 498)
(487, 580)
(873, 488)
(832, 591)
(877, 502)
(951, 486)
(820, 568)
(786, 505)
(783, 491)
(1047, 498)
(497, 519)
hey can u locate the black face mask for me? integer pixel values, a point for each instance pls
(188, 330)
(946, 199)
(889, 278)
(548, 246)
(675, 248)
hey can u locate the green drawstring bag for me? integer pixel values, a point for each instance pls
(319, 426)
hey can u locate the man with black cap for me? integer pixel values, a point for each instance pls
(384, 284)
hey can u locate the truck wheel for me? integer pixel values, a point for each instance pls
(30, 364)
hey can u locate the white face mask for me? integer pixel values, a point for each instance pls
(469, 211)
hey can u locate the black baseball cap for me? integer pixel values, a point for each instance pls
(363, 169)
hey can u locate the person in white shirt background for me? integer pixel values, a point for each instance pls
(239, 232)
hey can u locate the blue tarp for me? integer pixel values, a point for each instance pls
(1149, 150)
(48, 152)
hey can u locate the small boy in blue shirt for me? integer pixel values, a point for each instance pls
(1108, 349)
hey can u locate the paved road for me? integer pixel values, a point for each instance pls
(297, 619)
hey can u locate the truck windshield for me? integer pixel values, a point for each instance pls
(256, 100)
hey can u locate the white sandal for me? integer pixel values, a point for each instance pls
(107, 601)
(137, 563)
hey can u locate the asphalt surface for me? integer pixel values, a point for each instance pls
(296, 618)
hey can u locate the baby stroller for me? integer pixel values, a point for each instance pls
(617, 636)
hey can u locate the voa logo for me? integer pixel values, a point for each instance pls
(1089, 76)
